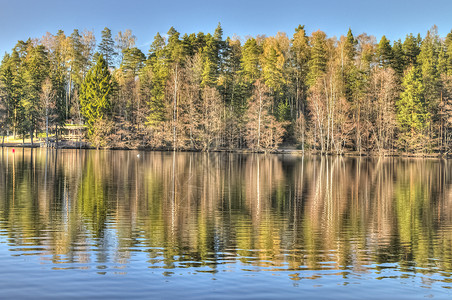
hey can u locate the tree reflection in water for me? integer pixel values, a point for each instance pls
(98, 209)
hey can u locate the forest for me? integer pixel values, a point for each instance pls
(204, 92)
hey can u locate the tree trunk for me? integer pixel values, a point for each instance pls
(174, 110)
(259, 122)
(47, 127)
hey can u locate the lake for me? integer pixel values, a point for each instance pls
(162, 225)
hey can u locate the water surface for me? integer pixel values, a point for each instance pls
(159, 225)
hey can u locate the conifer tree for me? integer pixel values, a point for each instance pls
(300, 54)
(384, 52)
(95, 94)
(154, 77)
(7, 93)
(219, 46)
(318, 59)
(36, 66)
(133, 60)
(210, 62)
(107, 47)
(398, 59)
(273, 63)
(350, 44)
(428, 62)
(448, 46)
(250, 60)
(411, 49)
(412, 111)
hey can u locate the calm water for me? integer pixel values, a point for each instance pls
(111, 224)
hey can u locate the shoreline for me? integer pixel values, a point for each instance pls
(289, 150)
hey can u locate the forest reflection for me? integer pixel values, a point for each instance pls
(83, 208)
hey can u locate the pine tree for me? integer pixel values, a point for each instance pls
(95, 94)
(107, 47)
(133, 60)
(174, 48)
(189, 44)
(77, 60)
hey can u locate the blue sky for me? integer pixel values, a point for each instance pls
(20, 19)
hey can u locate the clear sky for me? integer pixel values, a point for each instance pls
(20, 19)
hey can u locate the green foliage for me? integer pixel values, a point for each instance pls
(95, 94)
(157, 75)
(283, 111)
(133, 61)
(411, 49)
(107, 47)
(7, 92)
(35, 71)
(384, 52)
(428, 61)
(448, 54)
(398, 60)
(77, 61)
(350, 45)
(272, 70)
(299, 58)
(317, 63)
(250, 60)
(328, 85)
(412, 111)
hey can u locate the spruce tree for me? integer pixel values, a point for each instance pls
(428, 62)
(318, 59)
(398, 59)
(411, 49)
(300, 54)
(36, 66)
(155, 77)
(95, 93)
(412, 111)
(448, 45)
(7, 90)
(384, 52)
(210, 62)
(350, 45)
(250, 60)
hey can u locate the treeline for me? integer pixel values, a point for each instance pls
(204, 92)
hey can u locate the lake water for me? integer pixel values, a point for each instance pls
(159, 225)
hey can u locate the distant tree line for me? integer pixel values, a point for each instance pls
(204, 92)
